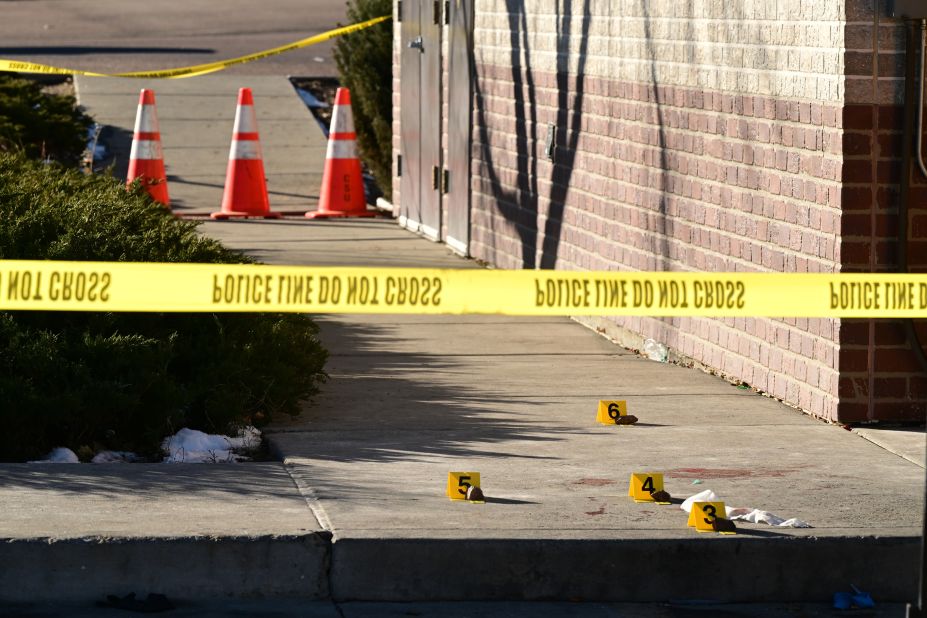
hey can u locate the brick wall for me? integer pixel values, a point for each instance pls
(397, 103)
(691, 136)
(879, 376)
(735, 136)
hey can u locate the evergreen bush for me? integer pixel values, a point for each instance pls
(38, 124)
(365, 62)
(123, 381)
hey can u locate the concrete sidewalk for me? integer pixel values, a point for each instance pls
(356, 508)
(411, 398)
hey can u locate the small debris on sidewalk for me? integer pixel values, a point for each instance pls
(724, 526)
(755, 516)
(655, 351)
(475, 494)
(661, 497)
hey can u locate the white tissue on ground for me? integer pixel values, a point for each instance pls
(59, 455)
(702, 496)
(755, 516)
(192, 446)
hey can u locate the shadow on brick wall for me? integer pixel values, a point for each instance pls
(520, 206)
(658, 239)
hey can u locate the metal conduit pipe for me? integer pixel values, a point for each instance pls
(918, 609)
(920, 102)
(910, 84)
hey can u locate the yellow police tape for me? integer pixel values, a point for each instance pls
(16, 66)
(125, 286)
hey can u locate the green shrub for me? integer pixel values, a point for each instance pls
(125, 380)
(38, 124)
(365, 61)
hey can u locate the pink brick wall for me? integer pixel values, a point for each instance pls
(397, 104)
(879, 375)
(747, 137)
(672, 178)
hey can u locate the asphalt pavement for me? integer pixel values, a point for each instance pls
(112, 36)
(355, 509)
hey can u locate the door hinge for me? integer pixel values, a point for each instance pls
(399, 11)
(399, 165)
(447, 12)
(435, 177)
(437, 12)
(446, 181)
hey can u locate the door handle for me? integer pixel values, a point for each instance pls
(418, 44)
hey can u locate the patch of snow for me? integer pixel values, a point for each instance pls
(59, 455)
(115, 457)
(192, 446)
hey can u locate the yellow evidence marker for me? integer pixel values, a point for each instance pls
(644, 484)
(459, 482)
(610, 410)
(704, 514)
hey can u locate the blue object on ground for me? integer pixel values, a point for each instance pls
(310, 99)
(842, 600)
(860, 599)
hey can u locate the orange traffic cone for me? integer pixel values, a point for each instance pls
(342, 192)
(245, 192)
(146, 160)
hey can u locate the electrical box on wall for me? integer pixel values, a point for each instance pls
(912, 9)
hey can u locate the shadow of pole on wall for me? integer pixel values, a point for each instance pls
(570, 117)
(519, 204)
(659, 244)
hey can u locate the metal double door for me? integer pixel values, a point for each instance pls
(430, 183)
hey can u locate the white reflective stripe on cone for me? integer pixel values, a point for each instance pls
(146, 120)
(341, 149)
(342, 119)
(245, 149)
(245, 120)
(145, 150)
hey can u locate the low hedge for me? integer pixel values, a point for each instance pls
(40, 125)
(365, 63)
(123, 381)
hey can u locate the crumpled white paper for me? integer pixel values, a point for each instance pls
(755, 516)
(702, 496)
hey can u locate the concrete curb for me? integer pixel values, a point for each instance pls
(191, 568)
(724, 570)
(317, 567)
